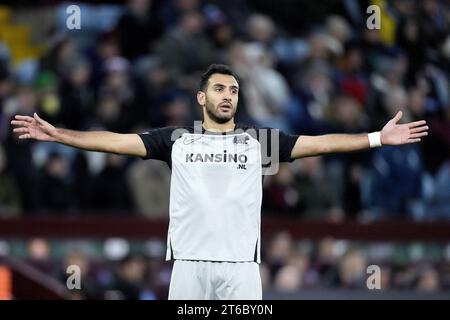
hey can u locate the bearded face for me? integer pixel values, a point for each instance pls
(221, 98)
(221, 113)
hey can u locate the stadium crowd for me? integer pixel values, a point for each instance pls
(305, 68)
(116, 269)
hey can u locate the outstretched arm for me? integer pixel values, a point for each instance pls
(392, 134)
(102, 141)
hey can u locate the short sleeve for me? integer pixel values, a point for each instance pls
(284, 144)
(158, 143)
(287, 143)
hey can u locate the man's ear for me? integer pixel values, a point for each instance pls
(201, 98)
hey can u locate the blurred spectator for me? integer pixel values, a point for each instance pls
(172, 11)
(386, 277)
(110, 192)
(290, 277)
(427, 280)
(23, 101)
(261, 29)
(117, 81)
(177, 112)
(352, 270)
(374, 50)
(417, 99)
(19, 154)
(392, 188)
(62, 50)
(39, 255)
(91, 287)
(345, 114)
(150, 183)
(6, 90)
(387, 92)
(346, 171)
(106, 47)
(235, 10)
(10, 202)
(265, 276)
(281, 194)
(318, 199)
(434, 21)
(304, 192)
(410, 37)
(352, 188)
(338, 27)
(278, 252)
(153, 90)
(436, 84)
(81, 181)
(75, 92)
(353, 80)
(138, 29)
(116, 108)
(325, 260)
(130, 283)
(314, 88)
(266, 92)
(109, 115)
(220, 31)
(185, 51)
(438, 139)
(55, 190)
(437, 201)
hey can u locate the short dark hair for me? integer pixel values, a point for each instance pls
(213, 69)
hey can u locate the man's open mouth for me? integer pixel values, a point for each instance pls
(225, 107)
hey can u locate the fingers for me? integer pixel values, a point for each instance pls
(397, 117)
(419, 129)
(24, 131)
(418, 135)
(416, 124)
(413, 140)
(39, 119)
(20, 123)
(418, 132)
(21, 130)
(41, 122)
(24, 118)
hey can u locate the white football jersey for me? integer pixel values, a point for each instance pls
(216, 190)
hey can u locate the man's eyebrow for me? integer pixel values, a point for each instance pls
(222, 86)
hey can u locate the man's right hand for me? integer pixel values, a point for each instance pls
(102, 141)
(34, 128)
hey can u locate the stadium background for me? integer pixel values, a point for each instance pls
(307, 67)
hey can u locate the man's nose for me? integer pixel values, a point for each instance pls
(227, 97)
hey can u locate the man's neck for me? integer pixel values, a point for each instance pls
(213, 126)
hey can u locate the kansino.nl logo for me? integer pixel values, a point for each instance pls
(268, 139)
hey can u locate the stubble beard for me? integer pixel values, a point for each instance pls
(213, 114)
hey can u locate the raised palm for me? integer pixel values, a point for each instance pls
(33, 128)
(396, 134)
